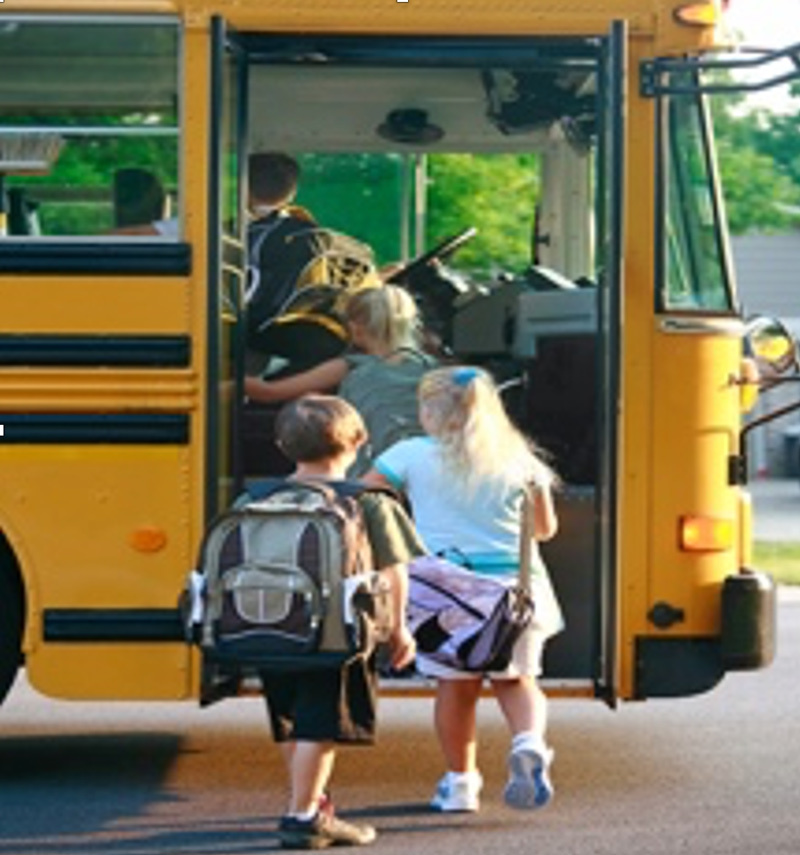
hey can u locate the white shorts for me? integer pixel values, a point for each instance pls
(526, 661)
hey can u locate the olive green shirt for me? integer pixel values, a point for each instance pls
(392, 535)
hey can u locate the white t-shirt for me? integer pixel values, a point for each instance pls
(484, 526)
(480, 530)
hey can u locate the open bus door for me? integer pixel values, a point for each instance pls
(226, 265)
(226, 271)
(612, 187)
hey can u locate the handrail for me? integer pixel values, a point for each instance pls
(654, 71)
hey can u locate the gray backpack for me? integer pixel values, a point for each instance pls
(288, 582)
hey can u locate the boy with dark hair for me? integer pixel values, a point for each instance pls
(280, 244)
(273, 181)
(142, 205)
(311, 711)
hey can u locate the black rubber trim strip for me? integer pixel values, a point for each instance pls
(444, 51)
(107, 351)
(85, 257)
(95, 428)
(124, 625)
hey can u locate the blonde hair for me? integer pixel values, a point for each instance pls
(387, 314)
(463, 410)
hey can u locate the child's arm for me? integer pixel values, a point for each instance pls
(321, 378)
(545, 519)
(375, 479)
(402, 645)
(394, 542)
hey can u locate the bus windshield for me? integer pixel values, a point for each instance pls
(695, 273)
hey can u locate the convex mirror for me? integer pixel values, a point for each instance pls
(771, 345)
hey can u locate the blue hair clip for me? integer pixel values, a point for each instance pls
(464, 376)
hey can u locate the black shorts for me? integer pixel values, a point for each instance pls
(323, 706)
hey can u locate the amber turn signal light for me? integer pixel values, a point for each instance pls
(705, 534)
(697, 14)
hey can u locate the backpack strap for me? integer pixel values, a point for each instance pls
(358, 488)
(263, 488)
(261, 230)
(417, 356)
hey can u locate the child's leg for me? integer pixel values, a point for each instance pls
(310, 769)
(307, 825)
(524, 706)
(454, 716)
(287, 753)
(455, 712)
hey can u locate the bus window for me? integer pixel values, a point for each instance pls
(107, 100)
(359, 194)
(401, 203)
(695, 273)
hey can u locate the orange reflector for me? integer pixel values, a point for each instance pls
(697, 14)
(148, 539)
(705, 534)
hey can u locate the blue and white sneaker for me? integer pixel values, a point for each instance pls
(458, 793)
(529, 784)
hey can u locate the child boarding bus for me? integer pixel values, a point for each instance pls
(560, 153)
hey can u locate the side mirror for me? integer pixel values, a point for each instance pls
(771, 345)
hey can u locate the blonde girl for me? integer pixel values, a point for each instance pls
(379, 377)
(465, 481)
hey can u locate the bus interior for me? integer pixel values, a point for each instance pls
(513, 284)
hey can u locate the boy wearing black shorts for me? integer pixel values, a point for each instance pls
(312, 711)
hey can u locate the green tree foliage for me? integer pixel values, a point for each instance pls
(777, 135)
(358, 194)
(361, 194)
(495, 193)
(759, 158)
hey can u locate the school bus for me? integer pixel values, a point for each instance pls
(611, 308)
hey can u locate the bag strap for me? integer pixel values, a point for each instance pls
(260, 230)
(266, 487)
(525, 538)
(415, 355)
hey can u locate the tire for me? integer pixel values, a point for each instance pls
(11, 617)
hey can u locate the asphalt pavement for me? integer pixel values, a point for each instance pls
(776, 508)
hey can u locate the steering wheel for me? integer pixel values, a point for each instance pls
(438, 253)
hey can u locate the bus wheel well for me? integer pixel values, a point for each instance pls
(12, 616)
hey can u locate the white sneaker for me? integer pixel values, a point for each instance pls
(529, 784)
(458, 794)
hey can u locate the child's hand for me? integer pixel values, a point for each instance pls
(403, 648)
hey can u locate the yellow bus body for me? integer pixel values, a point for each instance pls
(97, 525)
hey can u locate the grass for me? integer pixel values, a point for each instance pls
(781, 560)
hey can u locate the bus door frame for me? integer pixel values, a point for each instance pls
(227, 267)
(611, 229)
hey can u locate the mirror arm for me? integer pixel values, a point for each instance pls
(768, 417)
(738, 465)
(772, 382)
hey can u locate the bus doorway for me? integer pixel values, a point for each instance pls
(500, 155)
